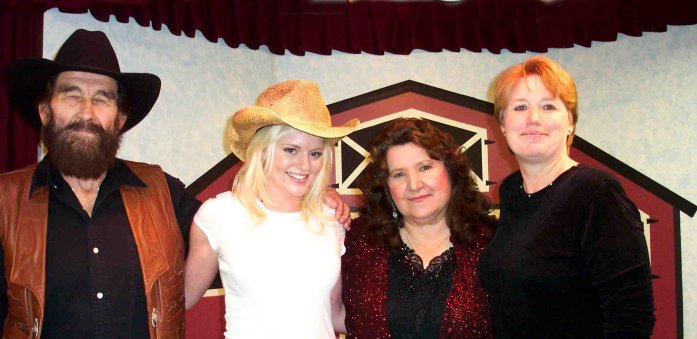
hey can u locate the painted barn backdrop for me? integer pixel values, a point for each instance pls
(472, 124)
(633, 61)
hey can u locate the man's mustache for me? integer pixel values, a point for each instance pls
(84, 125)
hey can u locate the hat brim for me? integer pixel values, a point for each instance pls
(27, 78)
(247, 121)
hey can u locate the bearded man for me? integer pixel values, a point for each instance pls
(92, 245)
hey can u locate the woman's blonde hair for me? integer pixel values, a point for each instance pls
(250, 184)
(555, 79)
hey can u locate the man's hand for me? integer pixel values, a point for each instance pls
(342, 211)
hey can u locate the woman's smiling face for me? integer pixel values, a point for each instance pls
(296, 162)
(419, 185)
(535, 122)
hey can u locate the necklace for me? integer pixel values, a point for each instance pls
(425, 251)
(72, 189)
(524, 187)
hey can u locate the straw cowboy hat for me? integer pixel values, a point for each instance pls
(84, 51)
(296, 103)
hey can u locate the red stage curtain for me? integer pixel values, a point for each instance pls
(396, 26)
(355, 26)
(20, 35)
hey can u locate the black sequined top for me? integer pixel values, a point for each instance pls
(416, 295)
(379, 305)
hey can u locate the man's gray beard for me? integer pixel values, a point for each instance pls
(78, 156)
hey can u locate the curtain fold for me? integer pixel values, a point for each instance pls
(20, 36)
(398, 27)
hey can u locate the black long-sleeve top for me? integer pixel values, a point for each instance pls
(569, 261)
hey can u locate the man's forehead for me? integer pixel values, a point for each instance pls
(77, 77)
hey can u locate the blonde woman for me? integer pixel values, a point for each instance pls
(277, 246)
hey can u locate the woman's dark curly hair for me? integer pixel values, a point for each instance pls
(468, 211)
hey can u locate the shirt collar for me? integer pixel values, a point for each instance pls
(118, 175)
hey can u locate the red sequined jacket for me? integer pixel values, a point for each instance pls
(364, 271)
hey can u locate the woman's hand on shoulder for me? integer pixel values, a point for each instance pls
(342, 212)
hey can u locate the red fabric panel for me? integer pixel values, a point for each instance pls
(399, 27)
(20, 36)
(206, 320)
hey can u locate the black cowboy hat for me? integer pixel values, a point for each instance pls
(84, 51)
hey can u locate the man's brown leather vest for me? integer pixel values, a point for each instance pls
(23, 224)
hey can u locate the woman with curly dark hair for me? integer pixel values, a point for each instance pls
(410, 266)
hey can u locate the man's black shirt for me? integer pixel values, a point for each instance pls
(94, 284)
